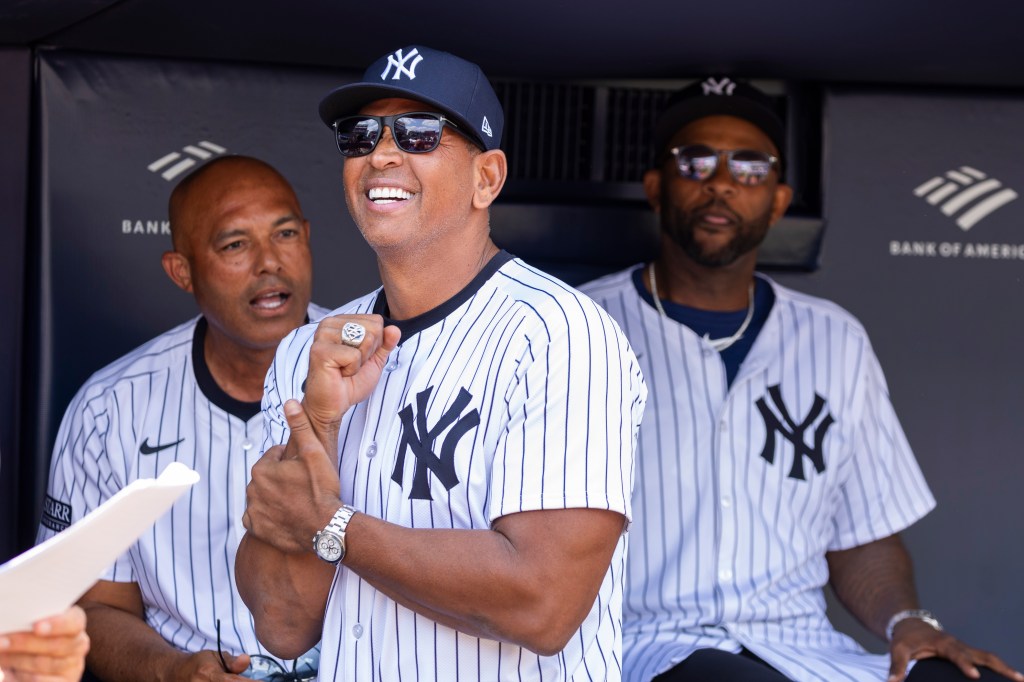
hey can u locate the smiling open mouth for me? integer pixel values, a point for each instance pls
(388, 195)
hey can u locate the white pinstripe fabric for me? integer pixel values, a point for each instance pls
(727, 548)
(185, 564)
(559, 397)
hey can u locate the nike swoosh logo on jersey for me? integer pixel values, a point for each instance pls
(147, 449)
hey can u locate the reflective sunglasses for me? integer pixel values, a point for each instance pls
(416, 132)
(304, 668)
(699, 162)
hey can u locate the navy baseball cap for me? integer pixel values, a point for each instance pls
(714, 96)
(454, 86)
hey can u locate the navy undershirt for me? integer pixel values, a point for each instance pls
(719, 324)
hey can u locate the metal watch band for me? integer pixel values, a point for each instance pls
(917, 614)
(335, 528)
(339, 522)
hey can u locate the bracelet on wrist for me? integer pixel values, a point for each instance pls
(917, 614)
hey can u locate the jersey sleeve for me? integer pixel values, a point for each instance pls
(285, 379)
(87, 467)
(573, 414)
(884, 490)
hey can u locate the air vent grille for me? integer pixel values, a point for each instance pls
(548, 130)
(630, 122)
(567, 139)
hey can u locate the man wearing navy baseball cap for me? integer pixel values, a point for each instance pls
(449, 458)
(441, 80)
(772, 460)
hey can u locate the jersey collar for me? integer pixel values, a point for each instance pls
(414, 325)
(208, 385)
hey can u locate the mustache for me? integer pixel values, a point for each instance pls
(719, 205)
(270, 282)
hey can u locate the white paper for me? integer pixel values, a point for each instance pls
(50, 577)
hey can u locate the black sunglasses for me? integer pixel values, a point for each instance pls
(304, 668)
(416, 132)
(699, 162)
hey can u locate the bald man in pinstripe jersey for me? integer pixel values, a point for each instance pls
(192, 395)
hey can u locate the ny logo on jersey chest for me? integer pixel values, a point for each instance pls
(420, 438)
(777, 421)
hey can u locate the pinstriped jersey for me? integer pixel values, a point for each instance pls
(517, 394)
(160, 404)
(742, 489)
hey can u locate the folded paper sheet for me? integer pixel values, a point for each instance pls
(51, 576)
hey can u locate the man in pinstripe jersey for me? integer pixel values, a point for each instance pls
(466, 433)
(770, 459)
(241, 248)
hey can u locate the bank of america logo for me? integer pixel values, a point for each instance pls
(174, 164)
(966, 191)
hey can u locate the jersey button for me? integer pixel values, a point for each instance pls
(725, 575)
(371, 449)
(726, 502)
(391, 366)
(357, 630)
(247, 445)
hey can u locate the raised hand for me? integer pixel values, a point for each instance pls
(344, 370)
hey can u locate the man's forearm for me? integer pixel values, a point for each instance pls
(531, 581)
(874, 581)
(125, 648)
(286, 593)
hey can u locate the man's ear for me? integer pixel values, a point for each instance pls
(652, 188)
(780, 202)
(491, 172)
(178, 269)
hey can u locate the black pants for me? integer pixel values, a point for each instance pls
(712, 665)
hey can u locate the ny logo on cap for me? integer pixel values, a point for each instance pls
(398, 60)
(722, 87)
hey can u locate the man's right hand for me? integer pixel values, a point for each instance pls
(341, 375)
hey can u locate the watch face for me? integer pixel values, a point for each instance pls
(328, 547)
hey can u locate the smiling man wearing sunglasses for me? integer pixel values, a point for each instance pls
(452, 499)
(771, 460)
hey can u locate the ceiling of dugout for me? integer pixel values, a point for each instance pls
(928, 42)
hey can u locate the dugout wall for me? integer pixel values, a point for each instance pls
(923, 245)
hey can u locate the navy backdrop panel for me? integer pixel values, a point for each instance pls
(116, 135)
(925, 244)
(16, 86)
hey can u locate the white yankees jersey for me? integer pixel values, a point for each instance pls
(517, 394)
(156, 405)
(742, 489)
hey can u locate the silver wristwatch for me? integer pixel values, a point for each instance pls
(917, 614)
(329, 543)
